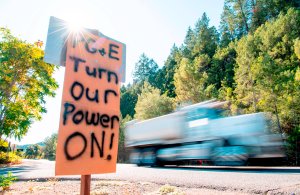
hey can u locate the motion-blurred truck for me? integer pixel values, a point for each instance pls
(199, 133)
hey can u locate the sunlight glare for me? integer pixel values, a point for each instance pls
(74, 27)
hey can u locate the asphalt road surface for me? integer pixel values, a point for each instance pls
(246, 179)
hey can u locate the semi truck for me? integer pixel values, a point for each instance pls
(201, 133)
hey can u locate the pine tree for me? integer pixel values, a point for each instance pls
(145, 70)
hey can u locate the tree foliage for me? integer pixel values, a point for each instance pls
(194, 63)
(145, 70)
(190, 83)
(171, 64)
(252, 61)
(267, 69)
(49, 149)
(33, 151)
(129, 97)
(25, 81)
(151, 104)
(240, 17)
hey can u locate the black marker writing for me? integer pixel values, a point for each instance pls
(109, 74)
(92, 99)
(90, 118)
(112, 51)
(100, 148)
(87, 48)
(67, 111)
(76, 62)
(107, 92)
(77, 94)
(80, 87)
(75, 134)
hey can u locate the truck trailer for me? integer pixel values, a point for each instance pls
(200, 132)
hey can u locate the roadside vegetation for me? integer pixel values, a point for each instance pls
(251, 60)
(8, 156)
(33, 152)
(25, 81)
(49, 149)
(6, 181)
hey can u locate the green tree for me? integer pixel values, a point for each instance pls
(191, 84)
(49, 149)
(266, 75)
(235, 20)
(29, 152)
(33, 151)
(221, 72)
(206, 38)
(265, 10)
(25, 81)
(246, 91)
(189, 43)
(242, 16)
(165, 75)
(129, 97)
(145, 70)
(151, 104)
(228, 25)
(194, 63)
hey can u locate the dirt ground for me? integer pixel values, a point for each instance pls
(105, 187)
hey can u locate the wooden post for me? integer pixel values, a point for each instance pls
(85, 185)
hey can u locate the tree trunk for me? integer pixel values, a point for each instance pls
(243, 16)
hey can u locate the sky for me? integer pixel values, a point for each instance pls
(145, 26)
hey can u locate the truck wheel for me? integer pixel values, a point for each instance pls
(148, 157)
(136, 157)
(230, 156)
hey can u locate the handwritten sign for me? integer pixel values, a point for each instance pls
(89, 121)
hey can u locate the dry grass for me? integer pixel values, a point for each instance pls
(170, 190)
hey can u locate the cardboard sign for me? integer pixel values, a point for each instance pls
(90, 110)
(55, 50)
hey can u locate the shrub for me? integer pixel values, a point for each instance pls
(166, 189)
(169, 190)
(5, 181)
(9, 157)
(3, 145)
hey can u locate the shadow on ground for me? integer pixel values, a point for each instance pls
(292, 170)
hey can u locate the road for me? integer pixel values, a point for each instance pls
(245, 179)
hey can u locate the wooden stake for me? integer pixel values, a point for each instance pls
(85, 185)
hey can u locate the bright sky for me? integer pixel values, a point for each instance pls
(145, 26)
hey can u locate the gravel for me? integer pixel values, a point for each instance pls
(105, 187)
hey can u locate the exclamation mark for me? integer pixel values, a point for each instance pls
(111, 145)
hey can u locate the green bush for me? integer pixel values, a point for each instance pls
(9, 157)
(5, 181)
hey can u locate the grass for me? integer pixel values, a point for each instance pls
(110, 183)
(169, 190)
